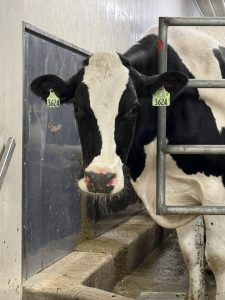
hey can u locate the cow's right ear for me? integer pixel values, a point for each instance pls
(65, 90)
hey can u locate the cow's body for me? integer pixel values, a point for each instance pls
(114, 132)
(187, 185)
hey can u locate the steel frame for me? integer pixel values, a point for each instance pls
(162, 147)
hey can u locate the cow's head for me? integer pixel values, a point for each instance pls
(105, 95)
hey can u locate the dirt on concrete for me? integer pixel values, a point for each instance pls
(162, 271)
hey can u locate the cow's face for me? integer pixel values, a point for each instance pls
(105, 97)
(106, 108)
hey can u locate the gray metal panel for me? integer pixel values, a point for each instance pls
(51, 202)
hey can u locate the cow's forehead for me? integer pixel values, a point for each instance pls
(106, 79)
(104, 64)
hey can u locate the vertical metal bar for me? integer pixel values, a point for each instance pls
(161, 123)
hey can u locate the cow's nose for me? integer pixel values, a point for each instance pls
(99, 183)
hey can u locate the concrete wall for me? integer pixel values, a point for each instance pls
(11, 83)
(91, 24)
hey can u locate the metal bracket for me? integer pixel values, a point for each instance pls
(162, 147)
(6, 158)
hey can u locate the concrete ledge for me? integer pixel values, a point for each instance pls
(96, 265)
(161, 296)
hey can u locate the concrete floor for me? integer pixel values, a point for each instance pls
(163, 271)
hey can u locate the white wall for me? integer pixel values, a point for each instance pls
(92, 24)
(102, 24)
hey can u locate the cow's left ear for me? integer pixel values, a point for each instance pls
(145, 86)
(173, 82)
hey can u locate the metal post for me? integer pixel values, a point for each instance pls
(162, 148)
(161, 126)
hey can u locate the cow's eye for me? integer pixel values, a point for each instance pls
(132, 112)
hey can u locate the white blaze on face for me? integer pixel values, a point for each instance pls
(106, 79)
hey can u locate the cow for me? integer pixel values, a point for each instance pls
(112, 99)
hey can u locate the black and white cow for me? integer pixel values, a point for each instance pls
(117, 126)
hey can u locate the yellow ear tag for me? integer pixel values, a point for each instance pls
(53, 100)
(161, 97)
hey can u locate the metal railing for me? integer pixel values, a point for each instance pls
(6, 158)
(162, 147)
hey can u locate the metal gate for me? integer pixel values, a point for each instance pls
(162, 147)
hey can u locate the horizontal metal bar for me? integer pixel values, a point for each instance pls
(195, 149)
(6, 158)
(206, 83)
(210, 21)
(192, 210)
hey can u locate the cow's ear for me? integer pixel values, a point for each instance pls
(124, 60)
(65, 90)
(173, 82)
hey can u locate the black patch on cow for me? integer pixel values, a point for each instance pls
(125, 121)
(145, 132)
(190, 121)
(220, 55)
(89, 133)
(143, 57)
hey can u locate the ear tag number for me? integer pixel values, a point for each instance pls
(53, 100)
(161, 97)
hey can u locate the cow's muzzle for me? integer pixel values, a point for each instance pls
(99, 183)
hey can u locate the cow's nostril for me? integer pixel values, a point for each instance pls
(86, 179)
(98, 182)
(110, 179)
(90, 175)
(109, 176)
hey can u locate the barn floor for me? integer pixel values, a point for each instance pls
(163, 271)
